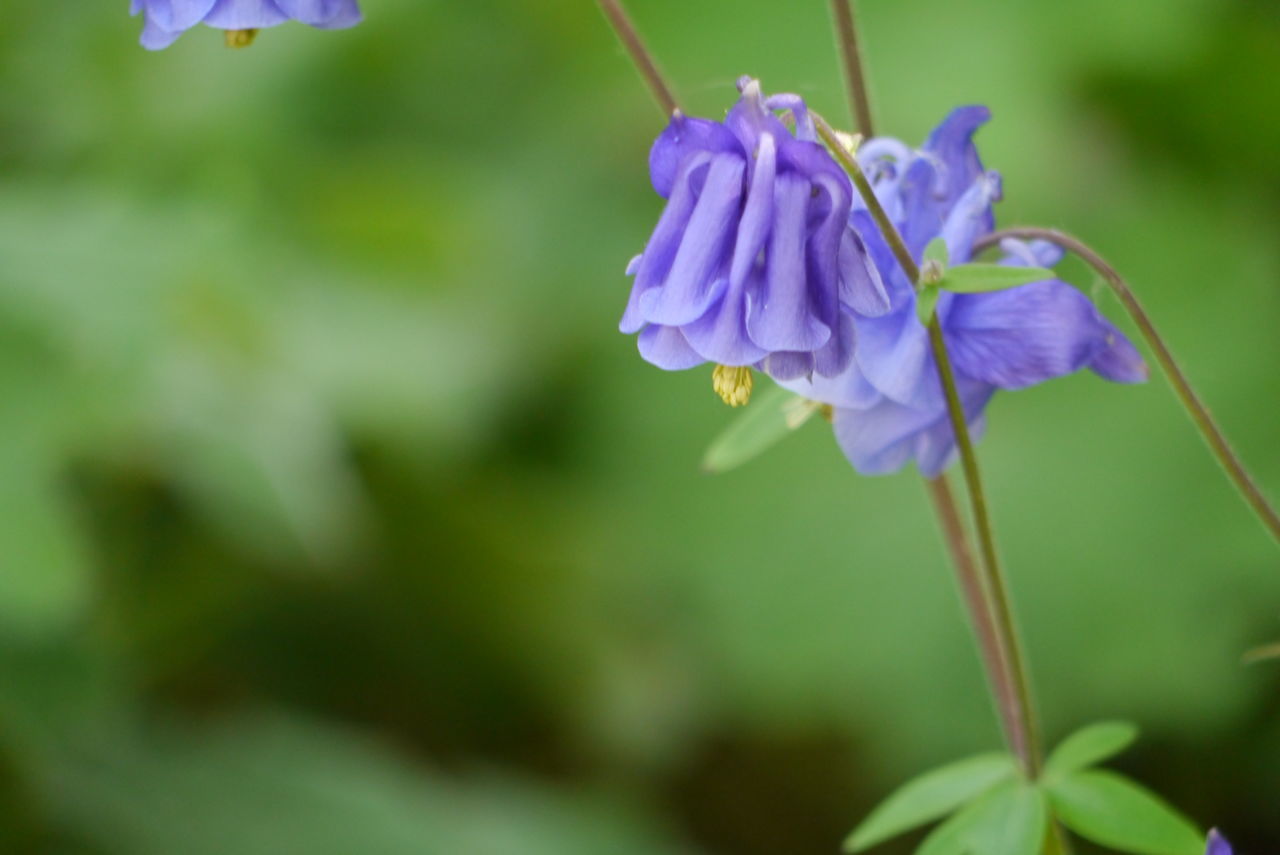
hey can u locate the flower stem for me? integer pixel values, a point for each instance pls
(1021, 732)
(1195, 408)
(644, 61)
(851, 59)
(974, 592)
(971, 587)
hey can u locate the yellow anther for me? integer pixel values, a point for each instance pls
(240, 38)
(732, 383)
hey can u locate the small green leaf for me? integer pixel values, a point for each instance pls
(931, 796)
(952, 836)
(979, 278)
(926, 301)
(1011, 819)
(1090, 745)
(937, 251)
(1012, 826)
(1115, 812)
(772, 415)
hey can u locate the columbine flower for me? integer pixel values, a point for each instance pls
(751, 263)
(1217, 844)
(168, 19)
(889, 405)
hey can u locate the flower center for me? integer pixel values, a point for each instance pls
(732, 383)
(240, 38)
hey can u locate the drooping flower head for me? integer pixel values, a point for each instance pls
(168, 19)
(1217, 844)
(889, 405)
(751, 262)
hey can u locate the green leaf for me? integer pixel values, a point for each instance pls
(1009, 820)
(1113, 811)
(1013, 826)
(931, 796)
(952, 836)
(926, 300)
(772, 415)
(937, 251)
(1090, 745)
(979, 278)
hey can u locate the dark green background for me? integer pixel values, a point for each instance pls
(336, 516)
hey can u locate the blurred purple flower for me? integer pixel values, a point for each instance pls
(1217, 844)
(889, 405)
(751, 262)
(168, 19)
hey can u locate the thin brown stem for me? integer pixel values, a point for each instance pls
(851, 61)
(971, 588)
(1195, 408)
(644, 61)
(974, 593)
(1023, 736)
(1023, 733)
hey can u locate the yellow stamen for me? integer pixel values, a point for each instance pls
(732, 383)
(240, 38)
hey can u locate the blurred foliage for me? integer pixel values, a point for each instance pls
(335, 515)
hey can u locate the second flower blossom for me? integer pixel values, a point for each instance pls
(889, 405)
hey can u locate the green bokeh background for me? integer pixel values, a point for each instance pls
(336, 516)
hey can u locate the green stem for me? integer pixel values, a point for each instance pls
(851, 61)
(1195, 408)
(1023, 735)
(644, 61)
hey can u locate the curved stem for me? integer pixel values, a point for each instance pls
(851, 59)
(1181, 386)
(1022, 732)
(640, 55)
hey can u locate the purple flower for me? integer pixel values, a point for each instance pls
(1217, 844)
(751, 262)
(889, 405)
(168, 19)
